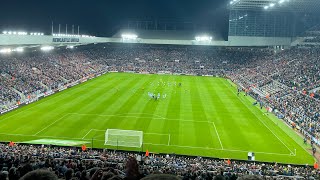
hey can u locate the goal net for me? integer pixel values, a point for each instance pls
(126, 138)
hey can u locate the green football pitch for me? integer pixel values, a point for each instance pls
(202, 117)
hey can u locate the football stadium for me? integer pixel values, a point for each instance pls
(160, 101)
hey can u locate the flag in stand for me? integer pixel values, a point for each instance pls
(228, 162)
(312, 95)
(11, 144)
(315, 165)
(147, 153)
(84, 147)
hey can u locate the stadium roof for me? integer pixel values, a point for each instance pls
(277, 5)
(168, 34)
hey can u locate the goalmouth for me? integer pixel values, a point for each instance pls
(125, 138)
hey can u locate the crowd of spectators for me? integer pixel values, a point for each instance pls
(26, 75)
(73, 163)
(312, 35)
(296, 71)
(23, 76)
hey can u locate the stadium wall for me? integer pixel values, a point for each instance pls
(13, 40)
(259, 41)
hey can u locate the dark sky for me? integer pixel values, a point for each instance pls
(104, 17)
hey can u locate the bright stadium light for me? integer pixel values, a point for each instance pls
(9, 32)
(234, 1)
(5, 51)
(47, 48)
(266, 7)
(272, 4)
(203, 38)
(4, 32)
(129, 36)
(22, 33)
(18, 49)
(281, 1)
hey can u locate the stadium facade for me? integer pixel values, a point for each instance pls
(251, 23)
(250, 26)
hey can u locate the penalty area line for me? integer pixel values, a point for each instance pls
(217, 135)
(90, 132)
(87, 133)
(50, 124)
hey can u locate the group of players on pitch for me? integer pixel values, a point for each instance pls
(155, 96)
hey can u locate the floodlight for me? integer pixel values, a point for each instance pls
(281, 1)
(19, 49)
(14, 32)
(203, 38)
(4, 32)
(266, 7)
(129, 36)
(272, 4)
(5, 50)
(10, 32)
(42, 34)
(47, 48)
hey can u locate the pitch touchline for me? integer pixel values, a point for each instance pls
(232, 150)
(261, 121)
(191, 147)
(217, 135)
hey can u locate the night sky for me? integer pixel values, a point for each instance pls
(105, 17)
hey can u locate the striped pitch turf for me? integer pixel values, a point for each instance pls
(202, 117)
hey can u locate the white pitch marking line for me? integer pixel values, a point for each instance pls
(50, 124)
(217, 135)
(157, 134)
(169, 140)
(232, 150)
(87, 134)
(116, 115)
(192, 147)
(261, 121)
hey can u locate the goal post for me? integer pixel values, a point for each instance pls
(125, 138)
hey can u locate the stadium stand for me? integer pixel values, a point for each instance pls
(72, 163)
(288, 78)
